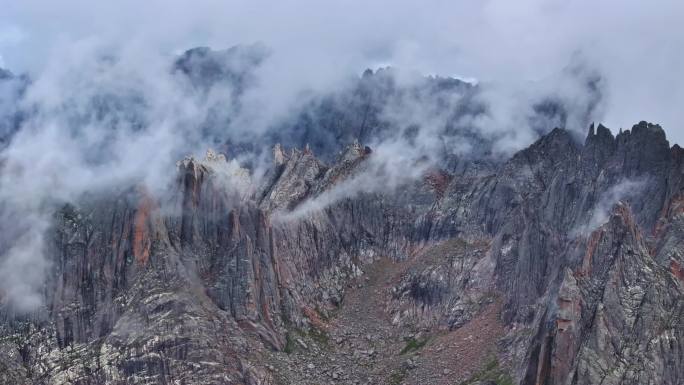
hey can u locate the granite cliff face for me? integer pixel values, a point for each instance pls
(561, 265)
(579, 244)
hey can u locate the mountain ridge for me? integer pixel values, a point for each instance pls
(139, 294)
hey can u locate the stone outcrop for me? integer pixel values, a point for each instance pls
(579, 244)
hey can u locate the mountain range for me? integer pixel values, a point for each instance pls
(339, 262)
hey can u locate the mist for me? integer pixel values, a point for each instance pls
(316, 44)
(107, 107)
(624, 190)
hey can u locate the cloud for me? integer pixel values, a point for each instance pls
(625, 189)
(11, 35)
(97, 122)
(107, 108)
(384, 170)
(22, 268)
(637, 49)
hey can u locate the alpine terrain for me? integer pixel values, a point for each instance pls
(311, 254)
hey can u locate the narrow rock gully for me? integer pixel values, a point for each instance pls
(360, 345)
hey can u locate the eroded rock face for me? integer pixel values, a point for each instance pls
(447, 285)
(565, 256)
(580, 244)
(142, 293)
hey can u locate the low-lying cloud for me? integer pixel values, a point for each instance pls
(634, 46)
(624, 190)
(106, 107)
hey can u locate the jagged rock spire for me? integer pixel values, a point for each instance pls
(278, 155)
(212, 156)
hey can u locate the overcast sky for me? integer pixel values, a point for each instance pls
(637, 46)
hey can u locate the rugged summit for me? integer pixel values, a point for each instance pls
(562, 265)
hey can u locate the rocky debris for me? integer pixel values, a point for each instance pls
(363, 346)
(448, 283)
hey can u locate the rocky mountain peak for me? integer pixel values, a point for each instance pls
(544, 270)
(353, 152)
(552, 148)
(651, 136)
(645, 129)
(601, 134)
(599, 146)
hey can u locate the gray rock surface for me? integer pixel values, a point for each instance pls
(579, 246)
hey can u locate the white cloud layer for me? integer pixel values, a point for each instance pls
(82, 55)
(637, 47)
